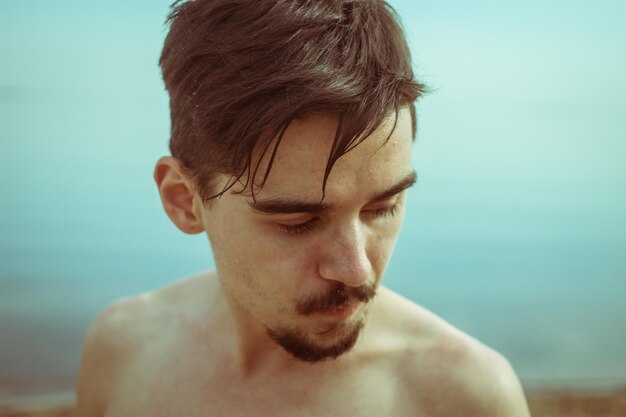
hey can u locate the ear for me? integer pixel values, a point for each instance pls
(178, 195)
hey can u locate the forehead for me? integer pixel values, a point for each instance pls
(302, 156)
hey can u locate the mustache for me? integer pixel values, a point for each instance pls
(339, 295)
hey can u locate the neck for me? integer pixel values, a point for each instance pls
(253, 351)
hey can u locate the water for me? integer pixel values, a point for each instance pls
(515, 231)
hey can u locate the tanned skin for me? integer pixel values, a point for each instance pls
(201, 346)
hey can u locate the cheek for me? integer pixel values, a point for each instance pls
(292, 260)
(383, 241)
(271, 269)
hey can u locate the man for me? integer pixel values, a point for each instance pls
(292, 131)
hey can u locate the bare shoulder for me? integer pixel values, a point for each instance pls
(107, 347)
(478, 380)
(448, 372)
(119, 335)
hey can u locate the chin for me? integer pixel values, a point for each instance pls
(328, 343)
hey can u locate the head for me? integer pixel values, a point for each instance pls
(292, 123)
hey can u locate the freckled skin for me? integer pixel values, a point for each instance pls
(200, 347)
(347, 244)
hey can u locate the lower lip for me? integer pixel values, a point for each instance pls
(342, 312)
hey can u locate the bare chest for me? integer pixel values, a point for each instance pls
(186, 390)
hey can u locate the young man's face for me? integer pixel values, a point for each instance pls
(302, 270)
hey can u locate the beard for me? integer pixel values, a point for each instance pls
(334, 340)
(301, 347)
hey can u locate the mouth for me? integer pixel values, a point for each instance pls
(339, 302)
(342, 311)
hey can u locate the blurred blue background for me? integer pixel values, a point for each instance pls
(516, 231)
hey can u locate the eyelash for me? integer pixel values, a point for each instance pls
(301, 228)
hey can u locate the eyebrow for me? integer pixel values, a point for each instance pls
(280, 205)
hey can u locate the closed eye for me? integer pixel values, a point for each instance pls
(299, 228)
(307, 226)
(385, 211)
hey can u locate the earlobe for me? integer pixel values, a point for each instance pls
(177, 195)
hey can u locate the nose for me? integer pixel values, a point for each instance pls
(345, 256)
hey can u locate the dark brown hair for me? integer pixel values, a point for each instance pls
(236, 69)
